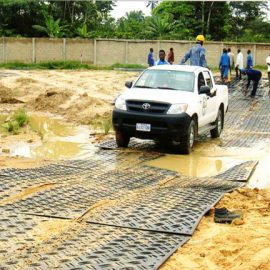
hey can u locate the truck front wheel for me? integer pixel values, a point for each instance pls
(187, 142)
(122, 140)
(215, 133)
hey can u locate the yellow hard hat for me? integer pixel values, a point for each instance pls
(200, 38)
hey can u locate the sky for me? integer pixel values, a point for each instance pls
(124, 6)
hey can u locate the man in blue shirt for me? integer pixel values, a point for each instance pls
(254, 76)
(249, 60)
(161, 60)
(196, 54)
(150, 58)
(224, 65)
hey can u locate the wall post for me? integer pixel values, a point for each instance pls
(254, 56)
(126, 52)
(33, 50)
(3, 49)
(64, 52)
(95, 51)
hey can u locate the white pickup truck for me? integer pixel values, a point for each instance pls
(171, 103)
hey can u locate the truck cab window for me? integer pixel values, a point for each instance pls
(201, 81)
(208, 79)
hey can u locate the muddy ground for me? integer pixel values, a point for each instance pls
(80, 97)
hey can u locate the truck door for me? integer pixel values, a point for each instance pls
(211, 107)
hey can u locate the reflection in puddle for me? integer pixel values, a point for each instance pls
(208, 159)
(194, 164)
(58, 140)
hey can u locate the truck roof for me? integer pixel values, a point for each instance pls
(180, 68)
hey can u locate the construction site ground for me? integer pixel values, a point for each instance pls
(70, 200)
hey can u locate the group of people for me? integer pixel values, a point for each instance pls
(227, 63)
(161, 61)
(196, 55)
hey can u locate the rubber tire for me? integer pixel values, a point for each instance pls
(215, 133)
(122, 140)
(187, 142)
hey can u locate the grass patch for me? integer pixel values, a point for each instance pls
(135, 66)
(103, 123)
(16, 121)
(65, 65)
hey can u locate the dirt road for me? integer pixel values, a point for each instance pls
(82, 96)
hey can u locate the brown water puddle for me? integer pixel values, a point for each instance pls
(208, 159)
(56, 140)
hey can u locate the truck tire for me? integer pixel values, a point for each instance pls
(215, 133)
(122, 140)
(187, 142)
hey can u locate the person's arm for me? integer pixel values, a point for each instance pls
(186, 57)
(202, 58)
(152, 59)
(220, 62)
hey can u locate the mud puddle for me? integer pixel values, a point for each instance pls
(208, 159)
(52, 139)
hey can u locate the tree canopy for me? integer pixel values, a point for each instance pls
(218, 20)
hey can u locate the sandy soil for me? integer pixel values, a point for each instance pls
(240, 246)
(81, 96)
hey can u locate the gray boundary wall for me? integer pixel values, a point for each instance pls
(105, 52)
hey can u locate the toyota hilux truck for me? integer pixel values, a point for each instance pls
(170, 104)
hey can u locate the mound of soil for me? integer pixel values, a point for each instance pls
(50, 102)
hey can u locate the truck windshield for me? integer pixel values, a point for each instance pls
(166, 79)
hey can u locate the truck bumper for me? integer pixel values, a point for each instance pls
(162, 126)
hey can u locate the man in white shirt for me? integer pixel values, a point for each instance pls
(239, 63)
(231, 55)
(268, 69)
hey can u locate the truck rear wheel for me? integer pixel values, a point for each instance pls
(187, 142)
(215, 133)
(122, 140)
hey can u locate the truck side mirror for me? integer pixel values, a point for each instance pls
(128, 84)
(205, 89)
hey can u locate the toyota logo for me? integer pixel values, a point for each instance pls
(146, 106)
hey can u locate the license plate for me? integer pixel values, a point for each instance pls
(143, 127)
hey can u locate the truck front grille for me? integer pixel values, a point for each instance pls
(147, 106)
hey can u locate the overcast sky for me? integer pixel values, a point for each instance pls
(124, 6)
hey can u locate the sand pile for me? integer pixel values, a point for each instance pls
(230, 246)
(7, 95)
(50, 101)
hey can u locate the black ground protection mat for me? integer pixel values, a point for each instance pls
(64, 201)
(73, 199)
(134, 143)
(81, 246)
(240, 172)
(210, 184)
(166, 209)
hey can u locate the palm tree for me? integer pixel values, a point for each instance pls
(152, 4)
(158, 28)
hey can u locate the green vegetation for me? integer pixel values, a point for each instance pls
(65, 65)
(16, 121)
(103, 123)
(241, 21)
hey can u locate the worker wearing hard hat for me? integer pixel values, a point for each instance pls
(196, 54)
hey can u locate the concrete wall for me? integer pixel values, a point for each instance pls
(110, 51)
(79, 50)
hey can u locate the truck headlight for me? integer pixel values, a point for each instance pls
(177, 108)
(120, 104)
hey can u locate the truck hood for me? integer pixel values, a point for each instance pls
(159, 95)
